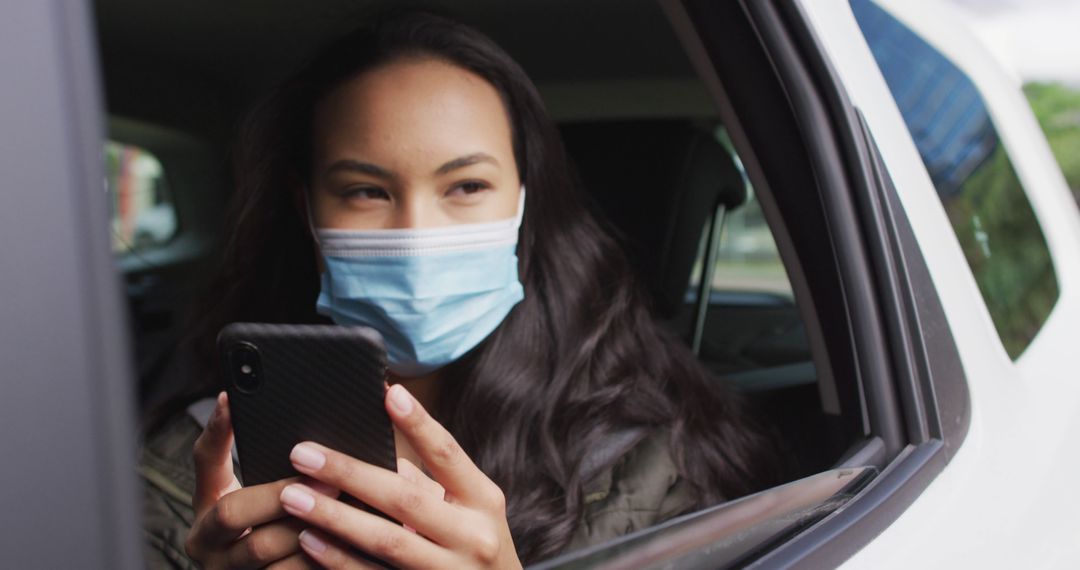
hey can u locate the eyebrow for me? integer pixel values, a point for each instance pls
(467, 160)
(361, 167)
(350, 165)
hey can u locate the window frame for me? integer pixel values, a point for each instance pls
(72, 501)
(904, 404)
(914, 382)
(1003, 146)
(894, 329)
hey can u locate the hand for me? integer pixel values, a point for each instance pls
(466, 528)
(239, 527)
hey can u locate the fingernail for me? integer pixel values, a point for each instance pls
(312, 542)
(305, 457)
(219, 409)
(297, 500)
(401, 400)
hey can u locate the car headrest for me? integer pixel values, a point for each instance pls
(657, 182)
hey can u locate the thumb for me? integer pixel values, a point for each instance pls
(214, 477)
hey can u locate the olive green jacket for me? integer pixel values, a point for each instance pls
(640, 488)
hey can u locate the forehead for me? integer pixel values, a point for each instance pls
(412, 104)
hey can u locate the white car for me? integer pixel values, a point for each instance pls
(906, 324)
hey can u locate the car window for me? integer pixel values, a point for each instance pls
(748, 328)
(750, 321)
(747, 259)
(143, 214)
(752, 324)
(974, 178)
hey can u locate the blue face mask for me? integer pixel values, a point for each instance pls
(434, 294)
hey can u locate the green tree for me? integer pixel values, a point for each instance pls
(1058, 109)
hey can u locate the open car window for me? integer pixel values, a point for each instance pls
(694, 225)
(746, 326)
(755, 247)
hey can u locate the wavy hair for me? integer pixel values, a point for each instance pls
(579, 359)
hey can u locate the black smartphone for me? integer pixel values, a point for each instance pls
(294, 383)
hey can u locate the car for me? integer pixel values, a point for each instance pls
(845, 207)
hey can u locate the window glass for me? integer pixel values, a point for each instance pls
(747, 259)
(143, 214)
(975, 180)
(751, 321)
(1057, 107)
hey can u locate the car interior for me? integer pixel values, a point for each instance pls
(643, 132)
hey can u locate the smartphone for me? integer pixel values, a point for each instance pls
(294, 383)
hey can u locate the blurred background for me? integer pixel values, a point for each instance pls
(1039, 40)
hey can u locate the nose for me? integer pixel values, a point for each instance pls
(414, 212)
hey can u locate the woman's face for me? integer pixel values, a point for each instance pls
(416, 143)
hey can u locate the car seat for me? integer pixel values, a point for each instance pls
(661, 186)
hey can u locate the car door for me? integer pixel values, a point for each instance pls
(67, 490)
(887, 366)
(969, 418)
(1024, 396)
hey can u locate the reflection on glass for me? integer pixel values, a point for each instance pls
(142, 211)
(975, 180)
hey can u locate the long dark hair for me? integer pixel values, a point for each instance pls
(579, 359)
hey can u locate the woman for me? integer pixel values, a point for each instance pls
(560, 414)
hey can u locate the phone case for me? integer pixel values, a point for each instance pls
(319, 383)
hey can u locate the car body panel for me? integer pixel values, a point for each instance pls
(67, 491)
(1007, 496)
(1004, 499)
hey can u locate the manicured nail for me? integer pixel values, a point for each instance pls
(312, 542)
(296, 499)
(401, 400)
(219, 409)
(305, 456)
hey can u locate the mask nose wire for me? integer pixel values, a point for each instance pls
(315, 233)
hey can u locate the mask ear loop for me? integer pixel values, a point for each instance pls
(521, 206)
(312, 230)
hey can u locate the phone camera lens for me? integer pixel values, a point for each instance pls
(246, 368)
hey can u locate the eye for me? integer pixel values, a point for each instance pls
(468, 188)
(365, 193)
